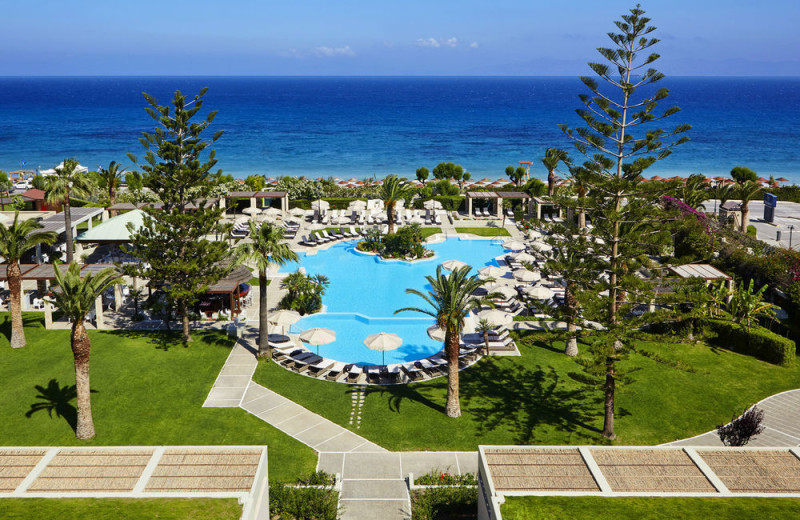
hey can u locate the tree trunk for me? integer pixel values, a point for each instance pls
(263, 325)
(551, 182)
(453, 408)
(80, 352)
(486, 341)
(390, 217)
(581, 218)
(15, 305)
(572, 339)
(745, 217)
(609, 390)
(68, 231)
(112, 198)
(186, 335)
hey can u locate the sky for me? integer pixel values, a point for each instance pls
(385, 37)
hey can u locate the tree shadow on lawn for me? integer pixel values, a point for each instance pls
(57, 399)
(398, 393)
(29, 321)
(522, 400)
(164, 340)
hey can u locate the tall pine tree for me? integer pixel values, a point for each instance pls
(619, 144)
(174, 242)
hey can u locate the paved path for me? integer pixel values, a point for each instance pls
(781, 421)
(235, 376)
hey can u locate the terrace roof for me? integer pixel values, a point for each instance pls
(256, 194)
(55, 223)
(114, 229)
(704, 271)
(47, 271)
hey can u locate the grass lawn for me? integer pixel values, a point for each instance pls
(536, 399)
(429, 231)
(120, 508)
(648, 508)
(484, 231)
(148, 390)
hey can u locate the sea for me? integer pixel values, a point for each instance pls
(372, 126)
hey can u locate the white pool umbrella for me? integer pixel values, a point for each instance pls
(318, 336)
(505, 291)
(383, 341)
(357, 204)
(513, 245)
(272, 212)
(491, 272)
(297, 212)
(284, 318)
(435, 333)
(496, 317)
(542, 246)
(320, 204)
(523, 257)
(523, 275)
(539, 293)
(251, 211)
(452, 265)
(432, 204)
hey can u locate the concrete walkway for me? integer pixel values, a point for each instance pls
(781, 421)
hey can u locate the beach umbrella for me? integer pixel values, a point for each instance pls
(523, 275)
(491, 272)
(251, 211)
(436, 333)
(320, 205)
(513, 245)
(782, 179)
(297, 212)
(496, 317)
(505, 291)
(357, 204)
(542, 246)
(383, 341)
(532, 233)
(523, 257)
(283, 318)
(432, 204)
(539, 293)
(272, 212)
(318, 336)
(452, 265)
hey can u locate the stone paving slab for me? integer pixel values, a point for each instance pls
(347, 441)
(279, 414)
(330, 462)
(320, 433)
(226, 381)
(372, 466)
(374, 489)
(265, 403)
(467, 462)
(375, 509)
(369, 447)
(299, 423)
(420, 463)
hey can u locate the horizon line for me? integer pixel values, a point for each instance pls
(8, 76)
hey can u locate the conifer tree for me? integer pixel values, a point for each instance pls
(173, 242)
(619, 143)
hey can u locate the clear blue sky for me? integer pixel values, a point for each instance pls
(384, 37)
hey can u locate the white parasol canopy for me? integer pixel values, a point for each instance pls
(542, 246)
(496, 317)
(272, 212)
(320, 204)
(523, 275)
(452, 265)
(539, 293)
(318, 336)
(513, 245)
(491, 272)
(283, 318)
(383, 341)
(297, 212)
(357, 204)
(505, 291)
(432, 204)
(251, 211)
(523, 257)
(435, 333)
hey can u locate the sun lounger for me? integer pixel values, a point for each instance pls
(356, 375)
(320, 238)
(337, 371)
(413, 373)
(320, 367)
(304, 364)
(306, 241)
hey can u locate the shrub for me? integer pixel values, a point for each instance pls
(739, 431)
(752, 231)
(759, 342)
(445, 478)
(444, 502)
(302, 503)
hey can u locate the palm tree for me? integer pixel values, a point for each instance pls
(267, 249)
(391, 191)
(15, 240)
(483, 328)
(747, 304)
(451, 299)
(110, 180)
(722, 192)
(551, 158)
(693, 192)
(745, 191)
(718, 295)
(59, 187)
(75, 297)
(581, 187)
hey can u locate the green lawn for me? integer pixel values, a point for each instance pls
(120, 508)
(484, 231)
(148, 390)
(648, 508)
(426, 232)
(535, 399)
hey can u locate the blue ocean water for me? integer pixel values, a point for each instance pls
(359, 126)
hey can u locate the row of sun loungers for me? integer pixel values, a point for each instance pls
(482, 212)
(302, 361)
(323, 237)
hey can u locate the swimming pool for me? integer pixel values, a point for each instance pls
(365, 291)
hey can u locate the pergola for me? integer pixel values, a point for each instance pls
(231, 288)
(707, 272)
(255, 196)
(47, 273)
(540, 203)
(497, 197)
(114, 230)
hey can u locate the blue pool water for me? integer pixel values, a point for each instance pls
(365, 291)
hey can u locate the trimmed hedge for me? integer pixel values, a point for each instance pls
(759, 342)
